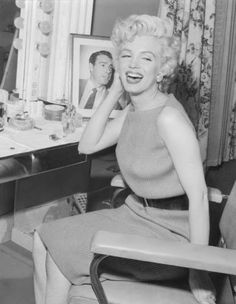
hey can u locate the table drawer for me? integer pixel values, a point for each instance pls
(53, 184)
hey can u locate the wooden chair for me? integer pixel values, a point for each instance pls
(219, 261)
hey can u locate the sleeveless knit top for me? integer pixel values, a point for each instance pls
(143, 158)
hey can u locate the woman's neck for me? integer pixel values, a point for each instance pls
(148, 100)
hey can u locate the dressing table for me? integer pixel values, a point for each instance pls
(42, 165)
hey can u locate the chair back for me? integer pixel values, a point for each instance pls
(228, 220)
(228, 225)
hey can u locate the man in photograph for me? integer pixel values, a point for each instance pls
(94, 90)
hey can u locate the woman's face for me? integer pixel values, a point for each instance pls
(139, 64)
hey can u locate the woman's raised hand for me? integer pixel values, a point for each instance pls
(117, 86)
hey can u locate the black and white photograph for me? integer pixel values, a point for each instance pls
(117, 152)
(92, 73)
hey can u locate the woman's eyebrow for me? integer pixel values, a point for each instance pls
(149, 53)
(142, 52)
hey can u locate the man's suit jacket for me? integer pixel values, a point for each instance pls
(119, 105)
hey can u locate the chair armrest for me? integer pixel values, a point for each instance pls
(215, 195)
(175, 253)
(118, 181)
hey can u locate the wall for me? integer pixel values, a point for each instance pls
(106, 12)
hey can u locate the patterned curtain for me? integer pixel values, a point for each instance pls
(193, 22)
(222, 130)
(231, 142)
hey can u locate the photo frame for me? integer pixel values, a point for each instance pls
(83, 46)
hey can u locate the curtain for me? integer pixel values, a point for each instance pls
(193, 22)
(222, 131)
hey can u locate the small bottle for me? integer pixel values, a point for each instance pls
(68, 120)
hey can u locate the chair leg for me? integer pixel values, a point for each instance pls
(225, 294)
(96, 284)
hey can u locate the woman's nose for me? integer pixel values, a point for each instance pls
(133, 63)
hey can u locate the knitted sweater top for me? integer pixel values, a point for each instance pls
(143, 158)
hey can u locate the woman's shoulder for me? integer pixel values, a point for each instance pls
(172, 102)
(169, 116)
(173, 114)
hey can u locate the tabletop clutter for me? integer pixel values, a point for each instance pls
(21, 115)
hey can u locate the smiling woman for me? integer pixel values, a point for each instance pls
(151, 135)
(164, 66)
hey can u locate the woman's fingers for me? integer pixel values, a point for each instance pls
(202, 287)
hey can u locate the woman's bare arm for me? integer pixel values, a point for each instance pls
(183, 147)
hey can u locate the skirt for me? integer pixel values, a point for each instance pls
(68, 240)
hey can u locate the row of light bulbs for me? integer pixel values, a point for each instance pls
(46, 5)
(44, 26)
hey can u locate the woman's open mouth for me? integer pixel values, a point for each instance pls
(133, 78)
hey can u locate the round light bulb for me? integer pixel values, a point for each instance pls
(47, 6)
(43, 49)
(18, 43)
(19, 22)
(20, 3)
(45, 27)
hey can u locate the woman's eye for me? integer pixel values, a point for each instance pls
(147, 58)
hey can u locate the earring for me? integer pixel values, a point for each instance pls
(159, 77)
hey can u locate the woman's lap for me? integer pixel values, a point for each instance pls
(68, 240)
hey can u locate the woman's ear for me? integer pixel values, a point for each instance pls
(159, 77)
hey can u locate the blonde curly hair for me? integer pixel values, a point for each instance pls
(145, 25)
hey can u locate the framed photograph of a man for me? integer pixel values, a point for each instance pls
(92, 73)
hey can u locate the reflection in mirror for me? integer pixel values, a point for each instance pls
(8, 56)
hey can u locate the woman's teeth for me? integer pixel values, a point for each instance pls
(133, 77)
